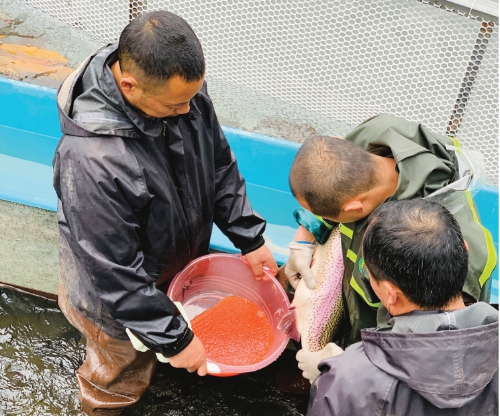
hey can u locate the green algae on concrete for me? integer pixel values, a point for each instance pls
(28, 248)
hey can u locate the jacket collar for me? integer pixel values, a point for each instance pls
(104, 111)
(449, 368)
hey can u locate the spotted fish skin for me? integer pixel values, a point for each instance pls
(318, 312)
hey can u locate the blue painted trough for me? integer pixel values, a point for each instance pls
(29, 132)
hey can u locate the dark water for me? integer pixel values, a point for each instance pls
(40, 351)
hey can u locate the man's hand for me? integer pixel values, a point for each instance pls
(298, 265)
(192, 358)
(308, 361)
(258, 259)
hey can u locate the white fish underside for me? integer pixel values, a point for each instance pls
(319, 311)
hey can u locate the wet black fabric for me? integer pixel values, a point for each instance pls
(417, 368)
(138, 198)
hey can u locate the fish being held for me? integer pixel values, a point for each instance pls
(315, 315)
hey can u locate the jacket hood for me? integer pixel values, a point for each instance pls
(449, 368)
(388, 135)
(90, 102)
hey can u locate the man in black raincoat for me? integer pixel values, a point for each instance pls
(142, 173)
(437, 357)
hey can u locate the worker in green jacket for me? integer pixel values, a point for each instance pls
(342, 181)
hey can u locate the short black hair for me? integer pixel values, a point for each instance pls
(417, 245)
(162, 45)
(328, 171)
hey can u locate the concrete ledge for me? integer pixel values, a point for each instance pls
(28, 248)
(29, 132)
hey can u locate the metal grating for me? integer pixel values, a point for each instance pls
(294, 69)
(478, 100)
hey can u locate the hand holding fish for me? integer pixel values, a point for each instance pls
(308, 361)
(298, 265)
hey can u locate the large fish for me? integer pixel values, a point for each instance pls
(315, 315)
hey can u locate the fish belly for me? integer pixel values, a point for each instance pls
(319, 311)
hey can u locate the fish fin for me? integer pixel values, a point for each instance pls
(288, 324)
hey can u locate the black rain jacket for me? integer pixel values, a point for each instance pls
(137, 201)
(430, 363)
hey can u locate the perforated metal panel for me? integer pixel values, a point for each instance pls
(294, 69)
(478, 127)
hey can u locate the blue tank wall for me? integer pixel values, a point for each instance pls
(29, 132)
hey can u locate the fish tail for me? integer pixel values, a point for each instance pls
(288, 324)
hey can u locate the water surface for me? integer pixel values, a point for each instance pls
(40, 351)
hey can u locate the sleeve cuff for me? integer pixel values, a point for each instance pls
(180, 345)
(315, 224)
(256, 244)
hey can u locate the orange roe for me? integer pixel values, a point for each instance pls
(234, 332)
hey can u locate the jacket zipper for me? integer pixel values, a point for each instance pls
(191, 235)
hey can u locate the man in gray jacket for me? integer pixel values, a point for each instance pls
(438, 357)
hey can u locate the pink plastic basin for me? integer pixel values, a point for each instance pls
(208, 279)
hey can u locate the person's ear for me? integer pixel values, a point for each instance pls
(353, 206)
(466, 246)
(392, 295)
(128, 84)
